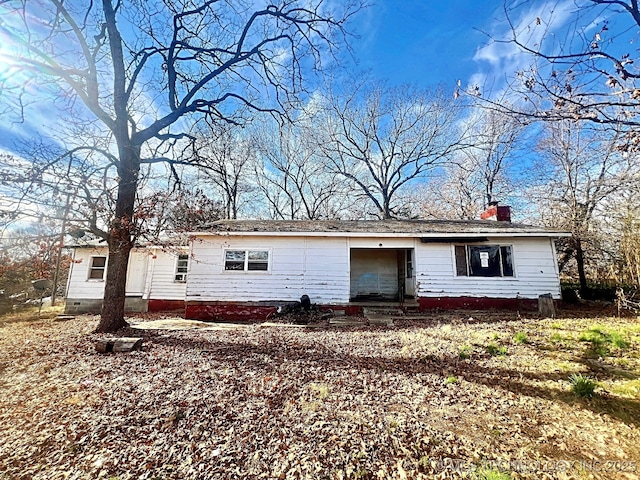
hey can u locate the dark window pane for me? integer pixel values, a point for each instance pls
(258, 266)
(485, 261)
(96, 273)
(461, 260)
(183, 264)
(507, 261)
(99, 261)
(234, 265)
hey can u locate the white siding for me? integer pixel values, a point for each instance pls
(316, 266)
(150, 274)
(534, 264)
(320, 267)
(79, 285)
(162, 284)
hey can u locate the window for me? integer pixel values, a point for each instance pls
(181, 268)
(246, 260)
(97, 268)
(484, 261)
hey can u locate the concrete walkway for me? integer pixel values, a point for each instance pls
(371, 318)
(183, 324)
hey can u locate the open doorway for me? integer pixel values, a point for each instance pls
(382, 274)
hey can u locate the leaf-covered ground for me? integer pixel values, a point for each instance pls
(455, 395)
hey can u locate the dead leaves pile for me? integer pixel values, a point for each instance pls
(283, 403)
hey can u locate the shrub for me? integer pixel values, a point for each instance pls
(618, 341)
(582, 385)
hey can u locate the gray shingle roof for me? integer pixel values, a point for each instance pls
(425, 228)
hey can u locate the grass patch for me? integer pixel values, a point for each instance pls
(491, 474)
(582, 385)
(30, 314)
(520, 338)
(630, 388)
(556, 338)
(602, 340)
(465, 352)
(320, 390)
(495, 350)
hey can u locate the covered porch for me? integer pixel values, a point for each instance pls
(381, 275)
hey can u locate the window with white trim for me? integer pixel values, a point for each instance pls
(181, 268)
(97, 267)
(484, 260)
(246, 260)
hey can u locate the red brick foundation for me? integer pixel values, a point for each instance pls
(165, 305)
(260, 311)
(249, 310)
(229, 311)
(476, 303)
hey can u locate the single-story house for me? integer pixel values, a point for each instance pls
(247, 268)
(156, 278)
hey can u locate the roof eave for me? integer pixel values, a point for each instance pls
(541, 233)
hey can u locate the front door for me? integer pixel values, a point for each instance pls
(409, 275)
(137, 273)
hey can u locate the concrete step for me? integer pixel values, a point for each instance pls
(381, 315)
(390, 311)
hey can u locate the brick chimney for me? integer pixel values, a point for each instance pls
(495, 212)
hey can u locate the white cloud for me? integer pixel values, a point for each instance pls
(534, 23)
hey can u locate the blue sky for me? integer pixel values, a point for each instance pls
(424, 42)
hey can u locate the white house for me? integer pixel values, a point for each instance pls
(246, 268)
(156, 278)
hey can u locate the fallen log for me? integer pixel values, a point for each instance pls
(124, 344)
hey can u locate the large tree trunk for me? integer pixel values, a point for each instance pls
(120, 242)
(584, 288)
(120, 237)
(112, 317)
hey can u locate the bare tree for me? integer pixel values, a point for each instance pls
(224, 156)
(168, 214)
(383, 139)
(582, 65)
(496, 142)
(293, 178)
(141, 69)
(72, 186)
(625, 223)
(582, 169)
(478, 173)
